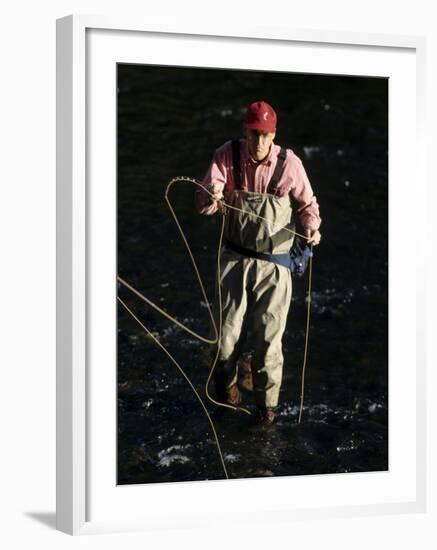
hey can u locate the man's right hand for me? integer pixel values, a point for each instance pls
(216, 192)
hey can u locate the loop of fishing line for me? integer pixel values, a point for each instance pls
(171, 318)
(217, 333)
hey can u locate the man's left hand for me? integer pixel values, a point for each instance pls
(313, 236)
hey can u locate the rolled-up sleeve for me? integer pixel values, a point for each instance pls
(301, 191)
(216, 175)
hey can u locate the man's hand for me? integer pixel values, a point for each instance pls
(216, 192)
(313, 236)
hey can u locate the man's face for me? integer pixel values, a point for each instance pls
(259, 143)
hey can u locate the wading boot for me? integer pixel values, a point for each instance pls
(233, 395)
(230, 396)
(245, 380)
(265, 418)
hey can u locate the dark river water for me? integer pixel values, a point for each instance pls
(170, 120)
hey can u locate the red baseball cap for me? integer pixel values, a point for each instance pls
(260, 116)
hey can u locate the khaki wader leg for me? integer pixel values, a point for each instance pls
(271, 301)
(234, 295)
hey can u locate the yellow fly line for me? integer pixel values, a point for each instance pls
(217, 331)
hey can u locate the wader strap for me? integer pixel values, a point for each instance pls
(236, 162)
(280, 259)
(277, 174)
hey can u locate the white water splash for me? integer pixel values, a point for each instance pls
(231, 458)
(169, 456)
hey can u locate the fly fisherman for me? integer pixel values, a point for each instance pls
(257, 176)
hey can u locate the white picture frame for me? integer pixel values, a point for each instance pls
(76, 202)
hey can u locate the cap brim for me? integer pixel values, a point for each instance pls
(258, 126)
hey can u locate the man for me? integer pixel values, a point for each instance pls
(266, 182)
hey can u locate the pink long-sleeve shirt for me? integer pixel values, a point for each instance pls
(255, 177)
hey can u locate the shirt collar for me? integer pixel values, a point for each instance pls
(247, 157)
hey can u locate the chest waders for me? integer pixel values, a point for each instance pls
(256, 282)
